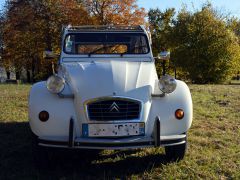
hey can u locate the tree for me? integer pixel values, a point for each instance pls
(234, 25)
(1, 36)
(30, 27)
(204, 47)
(116, 12)
(161, 26)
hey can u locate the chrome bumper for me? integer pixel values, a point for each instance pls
(113, 143)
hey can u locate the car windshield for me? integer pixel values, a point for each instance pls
(106, 43)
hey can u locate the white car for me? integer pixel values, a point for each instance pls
(107, 95)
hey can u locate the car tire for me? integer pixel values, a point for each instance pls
(176, 153)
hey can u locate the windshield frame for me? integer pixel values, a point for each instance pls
(102, 54)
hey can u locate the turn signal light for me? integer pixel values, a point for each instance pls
(179, 114)
(43, 116)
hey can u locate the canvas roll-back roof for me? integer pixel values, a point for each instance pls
(104, 28)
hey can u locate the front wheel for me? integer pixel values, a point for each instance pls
(176, 153)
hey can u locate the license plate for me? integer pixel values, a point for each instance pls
(113, 130)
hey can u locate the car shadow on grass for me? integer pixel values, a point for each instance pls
(17, 160)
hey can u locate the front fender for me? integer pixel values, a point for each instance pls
(165, 108)
(60, 111)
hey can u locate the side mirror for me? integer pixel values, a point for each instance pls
(164, 55)
(49, 55)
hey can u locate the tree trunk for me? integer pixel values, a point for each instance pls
(8, 75)
(17, 75)
(33, 69)
(28, 76)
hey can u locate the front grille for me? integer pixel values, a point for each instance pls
(114, 109)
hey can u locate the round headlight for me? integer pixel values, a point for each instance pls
(55, 84)
(167, 84)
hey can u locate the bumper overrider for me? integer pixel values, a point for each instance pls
(114, 143)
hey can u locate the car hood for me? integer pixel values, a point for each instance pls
(90, 80)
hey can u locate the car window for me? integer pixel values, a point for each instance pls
(106, 43)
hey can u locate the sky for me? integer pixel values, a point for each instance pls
(227, 6)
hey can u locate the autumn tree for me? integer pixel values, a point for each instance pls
(31, 26)
(15, 54)
(116, 12)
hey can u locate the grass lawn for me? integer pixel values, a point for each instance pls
(213, 153)
(235, 82)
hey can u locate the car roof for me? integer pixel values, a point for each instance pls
(104, 28)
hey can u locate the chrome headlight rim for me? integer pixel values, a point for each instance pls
(55, 84)
(167, 84)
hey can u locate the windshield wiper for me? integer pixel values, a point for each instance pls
(121, 54)
(94, 51)
(99, 49)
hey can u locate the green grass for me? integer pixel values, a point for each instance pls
(213, 153)
(235, 82)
